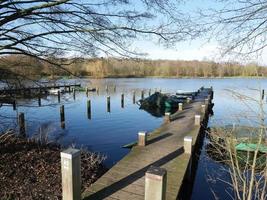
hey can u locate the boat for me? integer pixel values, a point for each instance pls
(56, 90)
(160, 100)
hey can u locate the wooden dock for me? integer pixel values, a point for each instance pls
(164, 149)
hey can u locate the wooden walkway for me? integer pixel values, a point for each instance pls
(126, 180)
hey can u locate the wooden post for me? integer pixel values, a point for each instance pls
(58, 96)
(108, 104)
(87, 91)
(22, 131)
(62, 116)
(39, 101)
(188, 100)
(149, 92)
(188, 148)
(69, 89)
(14, 105)
(142, 138)
(71, 174)
(142, 94)
(134, 97)
(167, 117)
(155, 183)
(180, 106)
(97, 91)
(197, 120)
(188, 142)
(74, 95)
(107, 88)
(122, 100)
(203, 108)
(89, 109)
(114, 88)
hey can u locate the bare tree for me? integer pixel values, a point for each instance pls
(239, 25)
(242, 149)
(50, 28)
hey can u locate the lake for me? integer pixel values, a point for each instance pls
(106, 132)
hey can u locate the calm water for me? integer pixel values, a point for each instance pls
(106, 132)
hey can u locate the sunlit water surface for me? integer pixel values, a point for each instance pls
(106, 132)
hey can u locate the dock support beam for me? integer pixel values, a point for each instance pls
(71, 174)
(155, 183)
(142, 138)
(197, 120)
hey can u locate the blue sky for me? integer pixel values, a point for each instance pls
(199, 49)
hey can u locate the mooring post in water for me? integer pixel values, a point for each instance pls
(180, 106)
(114, 88)
(58, 96)
(142, 138)
(62, 116)
(14, 105)
(69, 89)
(122, 100)
(107, 88)
(71, 174)
(133, 97)
(97, 91)
(39, 101)
(89, 109)
(87, 91)
(74, 95)
(155, 183)
(203, 108)
(149, 92)
(108, 104)
(262, 95)
(142, 94)
(167, 117)
(22, 131)
(197, 120)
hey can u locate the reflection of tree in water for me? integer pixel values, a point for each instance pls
(48, 132)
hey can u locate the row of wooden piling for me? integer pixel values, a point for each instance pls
(21, 118)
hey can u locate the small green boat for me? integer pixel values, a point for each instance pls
(251, 147)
